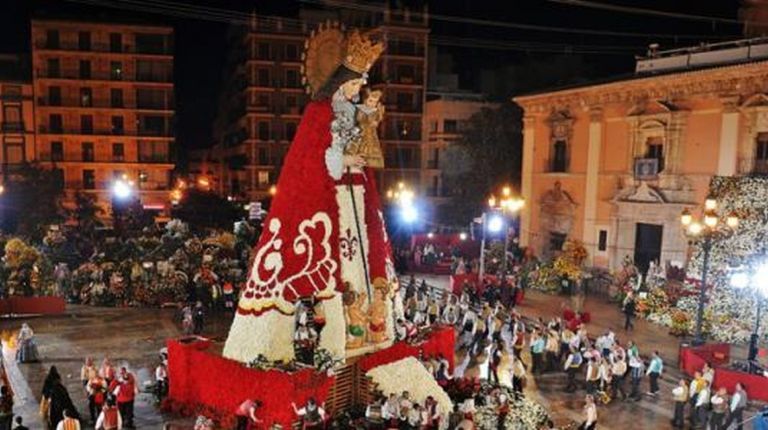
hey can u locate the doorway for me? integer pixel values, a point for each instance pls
(647, 245)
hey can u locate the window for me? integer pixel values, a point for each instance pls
(118, 152)
(153, 71)
(118, 174)
(118, 125)
(150, 43)
(450, 126)
(153, 125)
(86, 124)
(291, 52)
(57, 151)
(89, 179)
(263, 179)
(115, 42)
(86, 149)
(148, 98)
(262, 100)
(602, 240)
(405, 102)
(262, 77)
(52, 39)
(54, 96)
(153, 152)
(13, 150)
(84, 40)
(655, 149)
(116, 97)
(556, 241)
(291, 102)
(263, 131)
(116, 70)
(263, 52)
(86, 97)
(12, 118)
(559, 156)
(235, 185)
(263, 157)
(55, 123)
(85, 69)
(761, 154)
(54, 68)
(406, 74)
(290, 130)
(433, 126)
(292, 78)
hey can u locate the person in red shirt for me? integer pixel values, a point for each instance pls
(110, 418)
(124, 388)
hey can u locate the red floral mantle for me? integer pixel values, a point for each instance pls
(201, 379)
(441, 341)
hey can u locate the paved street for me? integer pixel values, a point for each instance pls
(133, 337)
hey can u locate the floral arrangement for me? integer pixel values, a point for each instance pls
(523, 413)
(409, 374)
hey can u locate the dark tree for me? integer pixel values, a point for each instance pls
(204, 209)
(87, 214)
(488, 155)
(31, 201)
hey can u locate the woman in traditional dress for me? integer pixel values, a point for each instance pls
(325, 227)
(27, 348)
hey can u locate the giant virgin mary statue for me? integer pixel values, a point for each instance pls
(324, 237)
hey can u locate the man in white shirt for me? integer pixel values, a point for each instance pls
(736, 408)
(702, 406)
(590, 414)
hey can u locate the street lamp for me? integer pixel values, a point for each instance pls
(711, 227)
(754, 276)
(404, 197)
(500, 208)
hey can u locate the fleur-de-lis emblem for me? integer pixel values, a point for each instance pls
(348, 245)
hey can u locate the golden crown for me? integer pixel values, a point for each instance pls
(361, 52)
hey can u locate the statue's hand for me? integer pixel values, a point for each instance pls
(354, 161)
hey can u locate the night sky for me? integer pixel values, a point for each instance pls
(476, 46)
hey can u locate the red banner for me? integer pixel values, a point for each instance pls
(440, 342)
(692, 359)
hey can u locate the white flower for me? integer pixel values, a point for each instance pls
(410, 375)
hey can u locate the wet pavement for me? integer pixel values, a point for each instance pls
(133, 337)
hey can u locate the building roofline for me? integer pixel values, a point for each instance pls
(608, 83)
(127, 22)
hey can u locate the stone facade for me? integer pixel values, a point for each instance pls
(585, 150)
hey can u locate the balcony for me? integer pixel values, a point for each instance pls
(104, 103)
(105, 48)
(157, 158)
(12, 127)
(43, 129)
(106, 75)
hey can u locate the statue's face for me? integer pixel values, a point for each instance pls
(352, 87)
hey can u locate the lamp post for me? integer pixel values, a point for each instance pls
(712, 227)
(755, 278)
(506, 205)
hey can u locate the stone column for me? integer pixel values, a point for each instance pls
(529, 132)
(593, 169)
(729, 134)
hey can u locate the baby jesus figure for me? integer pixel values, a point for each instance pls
(369, 115)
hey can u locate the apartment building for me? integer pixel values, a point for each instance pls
(104, 106)
(17, 132)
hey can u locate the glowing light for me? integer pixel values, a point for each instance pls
(732, 220)
(506, 191)
(739, 280)
(273, 190)
(495, 224)
(121, 189)
(710, 220)
(462, 236)
(430, 235)
(2, 189)
(695, 228)
(409, 214)
(710, 204)
(176, 196)
(492, 202)
(686, 218)
(400, 185)
(203, 182)
(760, 279)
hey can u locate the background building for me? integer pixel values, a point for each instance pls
(615, 163)
(263, 97)
(104, 106)
(17, 131)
